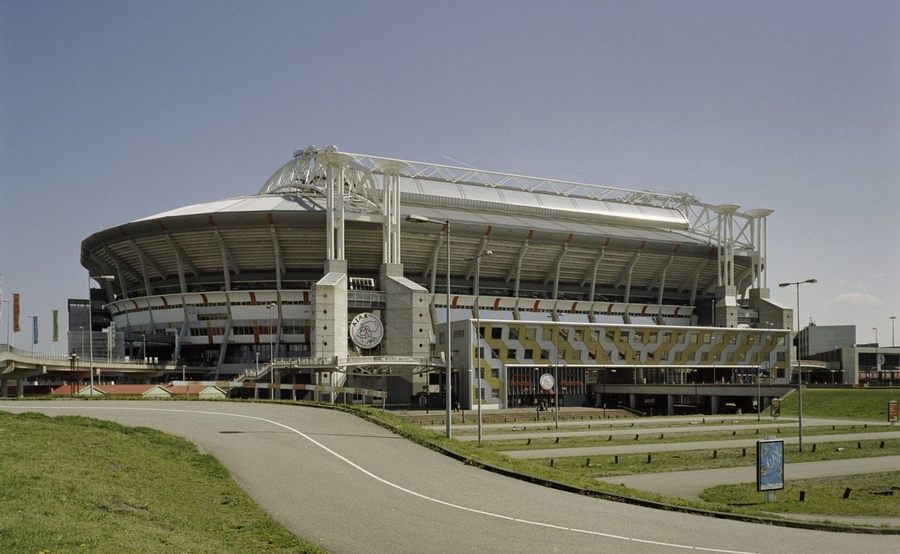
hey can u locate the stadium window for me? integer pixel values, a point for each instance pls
(496, 332)
(695, 339)
(652, 336)
(512, 354)
(546, 333)
(624, 336)
(495, 353)
(545, 354)
(529, 354)
(531, 333)
(579, 335)
(610, 335)
(592, 354)
(514, 333)
(481, 332)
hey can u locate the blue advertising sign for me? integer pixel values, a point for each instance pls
(769, 465)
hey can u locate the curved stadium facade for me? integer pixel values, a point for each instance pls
(334, 275)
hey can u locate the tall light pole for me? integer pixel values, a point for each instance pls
(799, 367)
(97, 278)
(892, 318)
(446, 224)
(873, 328)
(144, 346)
(6, 314)
(33, 319)
(271, 308)
(478, 331)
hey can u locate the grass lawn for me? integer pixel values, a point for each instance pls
(871, 495)
(77, 484)
(862, 404)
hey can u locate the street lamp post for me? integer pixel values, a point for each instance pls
(799, 366)
(892, 318)
(873, 328)
(97, 278)
(73, 358)
(478, 332)
(271, 308)
(6, 314)
(33, 319)
(144, 346)
(446, 224)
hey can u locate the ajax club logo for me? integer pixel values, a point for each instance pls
(366, 330)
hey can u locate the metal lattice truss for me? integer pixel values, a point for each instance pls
(307, 174)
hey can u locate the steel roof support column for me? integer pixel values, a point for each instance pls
(390, 209)
(593, 274)
(279, 261)
(662, 279)
(517, 271)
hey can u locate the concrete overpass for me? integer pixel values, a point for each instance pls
(19, 365)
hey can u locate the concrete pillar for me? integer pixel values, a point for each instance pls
(632, 401)
(2, 388)
(20, 388)
(713, 404)
(670, 404)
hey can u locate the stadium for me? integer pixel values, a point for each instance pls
(333, 279)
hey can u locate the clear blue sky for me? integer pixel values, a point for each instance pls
(112, 111)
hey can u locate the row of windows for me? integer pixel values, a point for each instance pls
(622, 335)
(512, 354)
(209, 305)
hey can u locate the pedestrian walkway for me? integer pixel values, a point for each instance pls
(603, 430)
(689, 484)
(638, 448)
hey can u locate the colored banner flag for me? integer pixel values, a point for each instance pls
(16, 327)
(55, 325)
(34, 330)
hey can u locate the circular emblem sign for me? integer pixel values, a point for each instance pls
(366, 330)
(547, 381)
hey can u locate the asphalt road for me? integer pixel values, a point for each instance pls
(353, 487)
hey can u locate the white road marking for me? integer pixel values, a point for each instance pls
(392, 484)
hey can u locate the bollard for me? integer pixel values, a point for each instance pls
(649, 458)
(557, 440)
(715, 454)
(847, 493)
(587, 463)
(617, 458)
(881, 445)
(832, 427)
(660, 435)
(609, 438)
(802, 496)
(528, 443)
(551, 462)
(814, 448)
(734, 433)
(757, 431)
(743, 452)
(859, 446)
(636, 436)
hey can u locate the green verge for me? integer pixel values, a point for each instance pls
(875, 494)
(859, 404)
(78, 484)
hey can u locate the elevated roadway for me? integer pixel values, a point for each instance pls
(353, 487)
